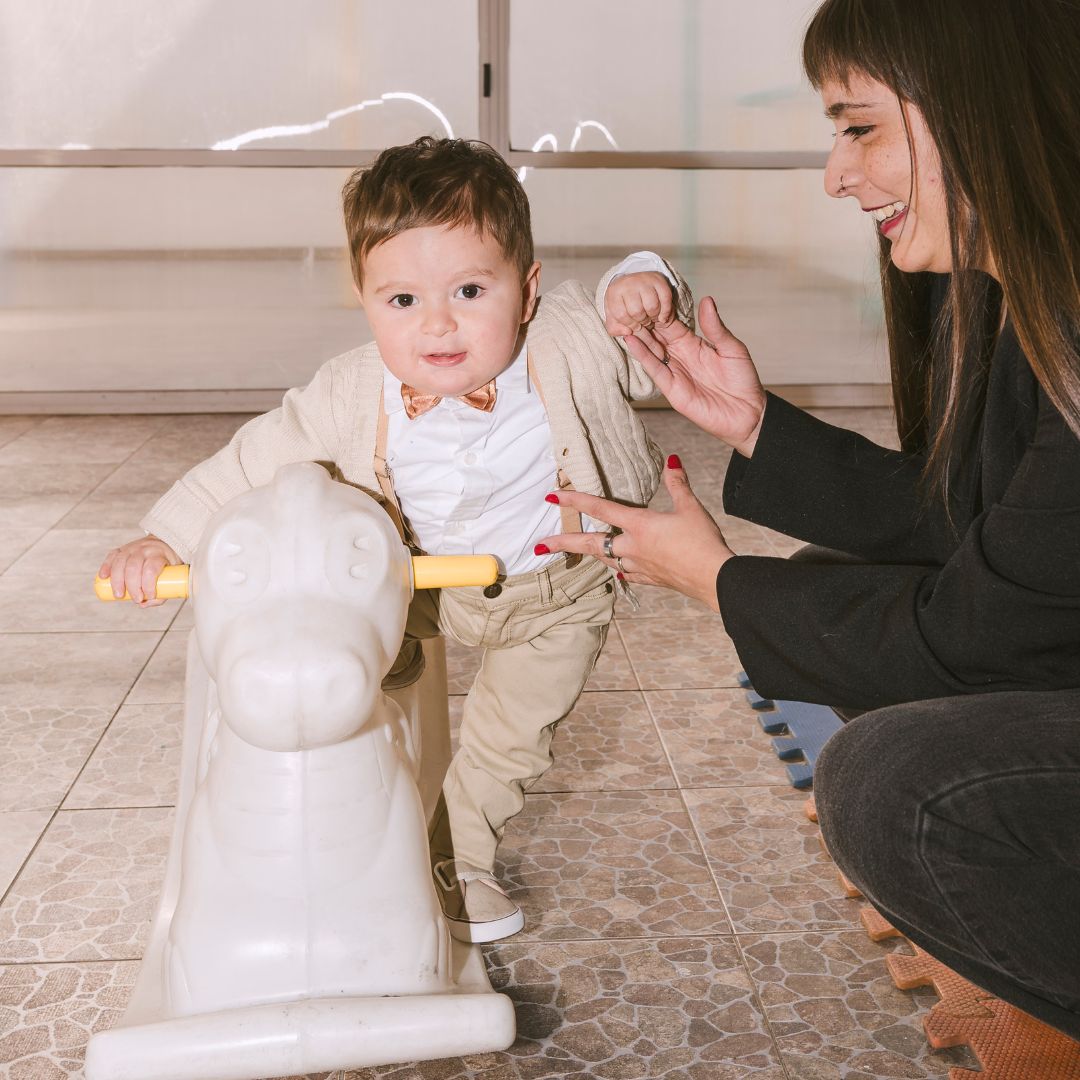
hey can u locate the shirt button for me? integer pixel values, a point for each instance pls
(470, 458)
(491, 591)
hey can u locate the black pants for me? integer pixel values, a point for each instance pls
(959, 819)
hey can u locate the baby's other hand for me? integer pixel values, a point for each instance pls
(134, 567)
(636, 300)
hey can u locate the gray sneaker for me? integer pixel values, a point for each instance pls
(474, 904)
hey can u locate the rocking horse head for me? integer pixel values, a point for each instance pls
(302, 590)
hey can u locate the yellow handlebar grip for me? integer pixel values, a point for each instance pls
(446, 571)
(172, 584)
(429, 572)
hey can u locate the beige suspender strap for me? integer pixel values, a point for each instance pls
(570, 519)
(382, 472)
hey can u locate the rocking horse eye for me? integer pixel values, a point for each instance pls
(356, 553)
(237, 562)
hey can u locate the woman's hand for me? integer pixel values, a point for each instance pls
(710, 379)
(682, 549)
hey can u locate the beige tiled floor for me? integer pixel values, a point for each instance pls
(682, 920)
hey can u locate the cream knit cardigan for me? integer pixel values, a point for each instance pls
(586, 378)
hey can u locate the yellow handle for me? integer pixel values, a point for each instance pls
(448, 571)
(429, 572)
(172, 584)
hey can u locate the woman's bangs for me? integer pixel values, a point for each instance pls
(842, 42)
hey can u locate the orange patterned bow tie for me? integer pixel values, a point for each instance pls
(416, 403)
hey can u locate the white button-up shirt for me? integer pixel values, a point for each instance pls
(473, 483)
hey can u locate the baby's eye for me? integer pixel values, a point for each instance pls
(469, 292)
(854, 131)
(403, 300)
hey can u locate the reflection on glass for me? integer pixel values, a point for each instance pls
(255, 73)
(683, 75)
(285, 131)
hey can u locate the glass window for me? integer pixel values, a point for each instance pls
(170, 279)
(682, 75)
(228, 279)
(324, 74)
(793, 272)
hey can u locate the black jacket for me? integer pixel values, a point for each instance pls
(993, 605)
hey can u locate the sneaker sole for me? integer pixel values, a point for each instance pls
(482, 933)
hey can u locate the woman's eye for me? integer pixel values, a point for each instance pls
(469, 292)
(402, 300)
(857, 130)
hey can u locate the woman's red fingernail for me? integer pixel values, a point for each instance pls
(620, 575)
(541, 549)
(673, 462)
(551, 498)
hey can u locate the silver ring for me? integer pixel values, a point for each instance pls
(619, 564)
(609, 539)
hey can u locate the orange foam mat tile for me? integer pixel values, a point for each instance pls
(1009, 1044)
(877, 927)
(851, 890)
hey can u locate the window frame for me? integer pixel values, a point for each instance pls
(493, 92)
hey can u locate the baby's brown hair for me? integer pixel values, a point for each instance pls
(453, 182)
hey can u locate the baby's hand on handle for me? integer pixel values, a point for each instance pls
(636, 300)
(135, 567)
(710, 379)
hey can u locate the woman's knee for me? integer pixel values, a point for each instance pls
(869, 783)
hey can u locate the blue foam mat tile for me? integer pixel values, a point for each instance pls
(770, 724)
(801, 776)
(744, 680)
(757, 702)
(801, 730)
(787, 748)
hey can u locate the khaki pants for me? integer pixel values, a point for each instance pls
(541, 634)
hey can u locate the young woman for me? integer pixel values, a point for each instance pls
(947, 609)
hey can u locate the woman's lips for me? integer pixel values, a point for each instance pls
(887, 227)
(444, 359)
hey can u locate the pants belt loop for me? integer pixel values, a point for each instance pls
(543, 582)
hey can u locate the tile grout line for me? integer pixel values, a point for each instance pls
(50, 527)
(104, 731)
(52, 817)
(754, 989)
(732, 938)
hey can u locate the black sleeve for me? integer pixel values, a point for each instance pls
(1002, 613)
(832, 487)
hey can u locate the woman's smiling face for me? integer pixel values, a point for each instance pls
(895, 178)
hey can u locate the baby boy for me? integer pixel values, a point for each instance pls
(475, 399)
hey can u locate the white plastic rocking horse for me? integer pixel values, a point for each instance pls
(298, 929)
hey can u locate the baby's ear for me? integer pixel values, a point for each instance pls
(529, 290)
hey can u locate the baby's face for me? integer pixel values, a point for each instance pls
(446, 307)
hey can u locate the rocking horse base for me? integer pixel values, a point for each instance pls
(318, 1035)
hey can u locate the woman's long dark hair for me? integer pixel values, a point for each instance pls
(996, 83)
